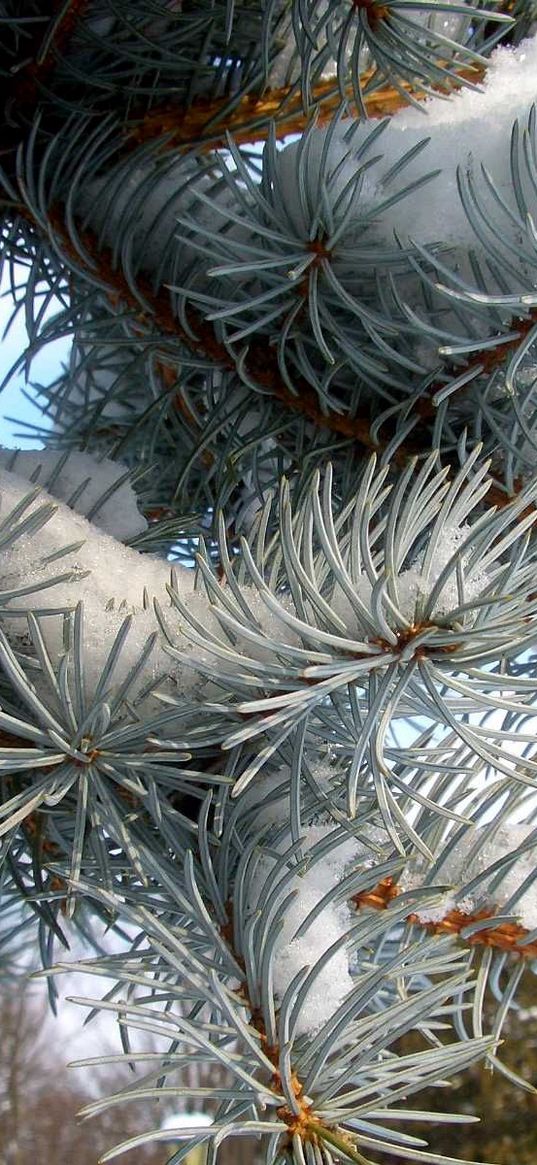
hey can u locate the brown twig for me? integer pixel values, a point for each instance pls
(505, 936)
(206, 123)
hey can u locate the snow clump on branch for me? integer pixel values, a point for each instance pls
(52, 558)
(324, 923)
(449, 137)
(100, 489)
(415, 584)
(480, 875)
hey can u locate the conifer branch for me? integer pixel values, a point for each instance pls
(343, 693)
(261, 361)
(207, 123)
(483, 365)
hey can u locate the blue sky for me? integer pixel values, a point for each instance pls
(13, 403)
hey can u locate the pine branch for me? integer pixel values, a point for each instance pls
(207, 123)
(261, 361)
(350, 610)
(45, 51)
(298, 1115)
(200, 338)
(484, 364)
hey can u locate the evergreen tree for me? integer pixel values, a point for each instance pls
(268, 605)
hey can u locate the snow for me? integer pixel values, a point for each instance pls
(111, 580)
(472, 129)
(438, 911)
(81, 480)
(68, 560)
(272, 626)
(333, 982)
(415, 584)
(473, 855)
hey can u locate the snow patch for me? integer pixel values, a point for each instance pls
(412, 586)
(475, 854)
(471, 130)
(81, 481)
(66, 560)
(329, 923)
